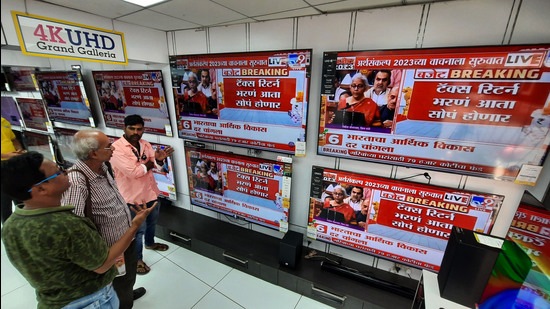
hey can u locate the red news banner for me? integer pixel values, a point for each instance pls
(408, 222)
(483, 111)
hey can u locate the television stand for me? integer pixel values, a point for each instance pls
(369, 277)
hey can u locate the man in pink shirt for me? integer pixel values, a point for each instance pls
(132, 161)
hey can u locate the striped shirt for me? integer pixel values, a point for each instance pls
(109, 210)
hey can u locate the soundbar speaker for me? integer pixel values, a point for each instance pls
(290, 249)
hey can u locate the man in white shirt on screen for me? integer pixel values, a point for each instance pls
(355, 199)
(379, 91)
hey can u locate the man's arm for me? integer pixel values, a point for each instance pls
(125, 162)
(118, 248)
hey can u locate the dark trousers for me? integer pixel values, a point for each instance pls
(124, 285)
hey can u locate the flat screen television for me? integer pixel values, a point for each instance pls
(522, 279)
(34, 114)
(405, 222)
(20, 78)
(65, 97)
(123, 93)
(164, 176)
(38, 142)
(10, 111)
(250, 188)
(251, 99)
(481, 111)
(63, 141)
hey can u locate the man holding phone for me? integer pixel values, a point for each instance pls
(133, 161)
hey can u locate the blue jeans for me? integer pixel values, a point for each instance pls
(105, 298)
(147, 228)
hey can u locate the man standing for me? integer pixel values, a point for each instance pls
(61, 255)
(133, 160)
(109, 212)
(10, 147)
(379, 91)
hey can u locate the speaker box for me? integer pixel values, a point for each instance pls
(290, 249)
(467, 265)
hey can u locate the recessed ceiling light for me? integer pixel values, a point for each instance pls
(144, 3)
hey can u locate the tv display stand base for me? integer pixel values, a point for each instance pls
(257, 254)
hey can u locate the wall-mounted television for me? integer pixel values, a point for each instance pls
(34, 114)
(38, 142)
(164, 176)
(406, 222)
(10, 111)
(123, 93)
(253, 99)
(65, 97)
(481, 111)
(250, 188)
(524, 278)
(20, 78)
(63, 141)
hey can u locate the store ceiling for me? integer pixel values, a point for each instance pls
(173, 15)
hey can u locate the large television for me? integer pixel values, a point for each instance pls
(34, 114)
(10, 111)
(65, 97)
(249, 188)
(405, 222)
(481, 111)
(523, 279)
(164, 176)
(20, 78)
(253, 99)
(123, 93)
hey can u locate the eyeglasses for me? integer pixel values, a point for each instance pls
(109, 147)
(337, 193)
(357, 86)
(59, 172)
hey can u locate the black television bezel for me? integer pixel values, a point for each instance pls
(421, 51)
(194, 146)
(241, 55)
(102, 111)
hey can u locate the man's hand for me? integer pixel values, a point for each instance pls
(141, 212)
(162, 154)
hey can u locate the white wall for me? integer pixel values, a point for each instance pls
(457, 23)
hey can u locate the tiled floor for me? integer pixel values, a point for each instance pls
(179, 279)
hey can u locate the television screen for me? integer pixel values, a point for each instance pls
(254, 189)
(406, 222)
(482, 111)
(20, 78)
(526, 283)
(40, 143)
(163, 176)
(10, 112)
(65, 97)
(64, 139)
(254, 99)
(34, 114)
(123, 93)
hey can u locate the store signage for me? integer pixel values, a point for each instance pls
(53, 38)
